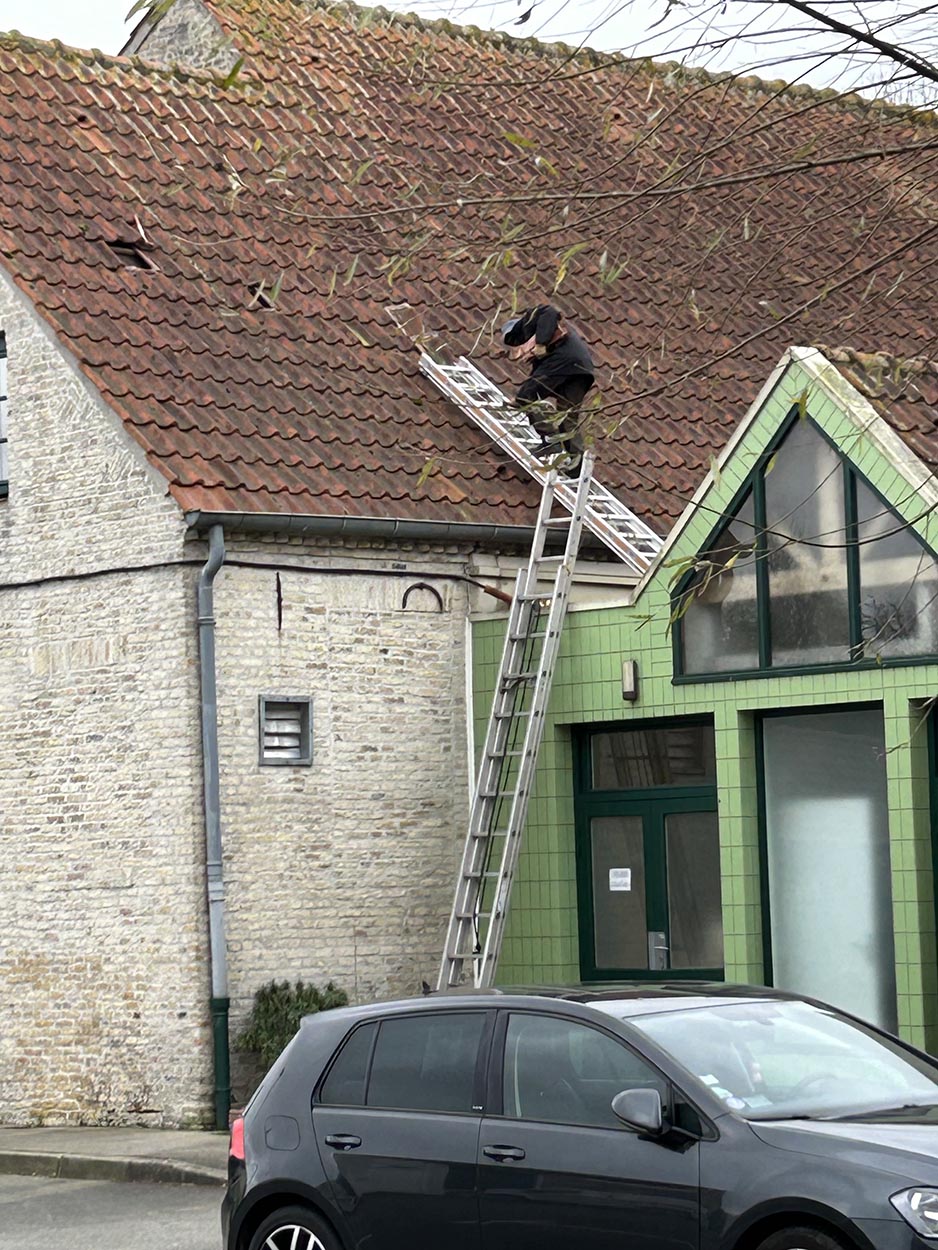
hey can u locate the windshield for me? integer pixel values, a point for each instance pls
(781, 1060)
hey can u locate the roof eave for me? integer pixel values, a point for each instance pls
(362, 527)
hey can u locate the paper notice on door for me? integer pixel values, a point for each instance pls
(620, 878)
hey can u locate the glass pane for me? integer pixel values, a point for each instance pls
(567, 1073)
(804, 503)
(426, 1063)
(777, 1059)
(828, 860)
(345, 1084)
(692, 842)
(720, 628)
(898, 583)
(636, 759)
(619, 929)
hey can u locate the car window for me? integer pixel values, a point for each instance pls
(770, 1059)
(568, 1073)
(426, 1063)
(345, 1084)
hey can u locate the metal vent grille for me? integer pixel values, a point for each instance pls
(286, 736)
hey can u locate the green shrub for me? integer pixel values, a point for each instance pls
(278, 1009)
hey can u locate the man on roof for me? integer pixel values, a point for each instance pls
(562, 370)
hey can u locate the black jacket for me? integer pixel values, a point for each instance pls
(567, 357)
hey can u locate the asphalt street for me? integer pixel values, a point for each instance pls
(37, 1213)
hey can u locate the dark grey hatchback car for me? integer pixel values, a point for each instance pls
(656, 1117)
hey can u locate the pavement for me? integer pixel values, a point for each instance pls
(177, 1156)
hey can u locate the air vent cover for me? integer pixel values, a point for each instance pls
(286, 735)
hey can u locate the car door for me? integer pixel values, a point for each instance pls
(556, 1168)
(397, 1124)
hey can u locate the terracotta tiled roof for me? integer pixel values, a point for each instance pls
(904, 391)
(358, 160)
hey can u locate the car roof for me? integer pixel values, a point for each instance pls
(623, 999)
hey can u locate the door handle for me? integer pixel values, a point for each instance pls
(657, 951)
(503, 1154)
(343, 1141)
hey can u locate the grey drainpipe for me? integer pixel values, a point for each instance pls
(213, 852)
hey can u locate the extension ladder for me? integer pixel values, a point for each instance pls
(508, 427)
(532, 641)
(506, 771)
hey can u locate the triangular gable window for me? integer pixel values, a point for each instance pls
(811, 570)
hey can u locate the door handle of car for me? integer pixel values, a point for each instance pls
(503, 1154)
(343, 1141)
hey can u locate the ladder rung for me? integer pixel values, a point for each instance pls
(478, 876)
(510, 715)
(529, 676)
(474, 915)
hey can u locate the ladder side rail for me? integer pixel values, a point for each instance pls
(486, 965)
(513, 433)
(487, 775)
(598, 492)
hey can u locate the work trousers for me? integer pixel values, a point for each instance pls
(562, 426)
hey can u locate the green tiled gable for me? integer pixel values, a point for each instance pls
(541, 943)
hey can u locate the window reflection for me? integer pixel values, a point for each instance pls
(804, 508)
(899, 583)
(818, 592)
(721, 627)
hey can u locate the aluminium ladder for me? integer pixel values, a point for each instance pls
(607, 517)
(506, 771)
(532, 641)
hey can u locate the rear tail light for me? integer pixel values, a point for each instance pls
(236, 1145)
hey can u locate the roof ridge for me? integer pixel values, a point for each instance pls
(600, 59)
(15, 40)
(913, 366)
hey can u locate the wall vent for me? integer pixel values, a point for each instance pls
(286, 730)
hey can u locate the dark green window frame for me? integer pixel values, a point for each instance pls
(590, 801)
(755, 482)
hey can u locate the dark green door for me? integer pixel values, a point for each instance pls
(649, 865)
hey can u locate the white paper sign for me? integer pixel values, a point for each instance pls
(620, 878)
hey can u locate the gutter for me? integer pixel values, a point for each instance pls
(361, 527)
(215, 886)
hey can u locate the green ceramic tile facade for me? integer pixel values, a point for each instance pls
(541, 942)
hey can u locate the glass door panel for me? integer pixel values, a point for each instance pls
(620, 927)
(692, 850)
(828, 860)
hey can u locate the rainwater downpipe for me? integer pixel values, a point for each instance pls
(215, 886)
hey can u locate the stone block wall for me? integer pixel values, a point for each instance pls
(343, 870)
(103, 983)
(187, 35)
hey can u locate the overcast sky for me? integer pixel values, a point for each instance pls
(636, 27)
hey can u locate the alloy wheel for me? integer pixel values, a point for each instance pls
(293, 1237)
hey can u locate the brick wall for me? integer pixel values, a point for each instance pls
(343, 870)
(188, 35)
(102, 966)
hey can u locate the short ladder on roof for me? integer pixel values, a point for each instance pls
(509, 756)
(605, 516)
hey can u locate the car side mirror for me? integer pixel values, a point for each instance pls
(640, 1109)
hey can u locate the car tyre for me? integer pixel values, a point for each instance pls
(802, 1237)
(294, 1228)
